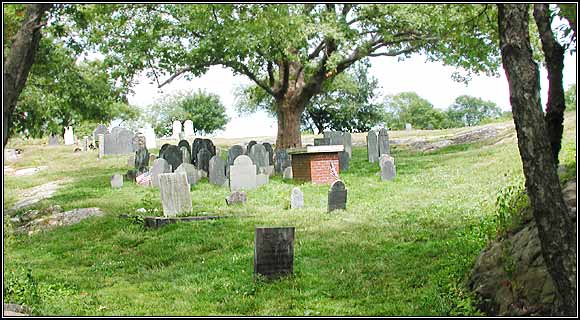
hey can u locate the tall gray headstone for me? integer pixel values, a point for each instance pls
(141, 159)
(160, 166)
(296, 198)
(185, 155)
(372, 147)
(383, 141)
(217, 171)
(250, 145)
(347, 142)
(343, 161)
(259, 156)
(274, 252)
(191, 172)
(337, 196)
(233, 153)
(101, 139)
(175, 195)
(203, 157)
(100, 129)
(173, 156)
(387, 164)
(270, 150)
(282, 160)
(116, 181)
(242, 174)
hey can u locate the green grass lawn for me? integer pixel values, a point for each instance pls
(402, 247)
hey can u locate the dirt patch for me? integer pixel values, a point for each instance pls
(59, 219)
(34, 195)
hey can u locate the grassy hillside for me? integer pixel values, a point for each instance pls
(402, 247)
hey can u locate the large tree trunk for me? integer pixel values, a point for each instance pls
(289, 111)
(20, 59)
(555, 226)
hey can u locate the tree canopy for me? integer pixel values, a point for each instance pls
(470, 111)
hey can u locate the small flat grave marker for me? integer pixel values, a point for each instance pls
(274, 252)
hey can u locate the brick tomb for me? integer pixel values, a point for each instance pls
(318, 164)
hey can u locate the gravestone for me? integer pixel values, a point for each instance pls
(176, 129)
(203, 157)
(261, 179)
(85, 144)
(188, 128)
(119, 141)
(347, 142)
(196, 145)
(191, 172)
(173, 156)
(372, 147)
(321, 141)
(131, 160)
(116, 181)
(100, 129)
(69, 137)
(149, 134)
(162, 149)
(388, 170)
(233, 153)
(185, 155)
(383, 142)
(335, 137)
(337, 196)
(138, 141)
(184, 143)
(101, 139)
(209, 146)
(217, 171)
(52, 140)
(268, 170)
(175, 195)
(152, 158)
(141, 159)
(259, 156)
(131, 175)
(250, 145)
(242, 174)
(159, 166)
(287, 173)
(236, 197)
(274, 252)
(282, 160)
(408, 126)
(268, 147)
(296, 198)
(343, 161)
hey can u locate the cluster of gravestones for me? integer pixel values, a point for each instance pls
(178, 133)
(378, 149)
(338, 138)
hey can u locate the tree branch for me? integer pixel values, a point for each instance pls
(316, 51)
(177, 74)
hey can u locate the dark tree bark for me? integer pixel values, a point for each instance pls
(554, 55)
(555, 226)
(20, 59)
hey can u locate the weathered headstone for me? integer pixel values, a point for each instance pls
(388, 170)
(296, 198)
(337, 196)
(274, 252)
(242, 174)
(233, 153)
(209, 146)
(116, 181)
(162, 149)
(173, 156)
(236, 197)
(69, 137)
(188, 128)
(176, 129)
(217, 171)
(185, 155)
(196, 145)
(270, 150)
(85, 144)
(141, 159)
(138, 141)
(131, 160)
(191, 172)
(383, 142)
(250, 145)
(184, 143)
(408, 126)
(101, 139)
(119, 141)
(100, 129)
(203, 157)
(372, 147)
(321, 141)
(343, 161)
(347, 142)
(335, 137)
(287, 173)
(282, 160)
(259, 156)
(52, 140)
(261, 179)
(175, 195)
(159, 166)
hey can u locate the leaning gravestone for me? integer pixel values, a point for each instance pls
(337, 196)
(282, 160)
(159, 166)
(217, 171)
(141, 159)
(176, 129)
(191, 172)
(69, 137)
(296, 198)
(236, 197)
(388, 170)
(196, 145)
(203, 157)
(322, 142)
(343, 161)
(372, 147)
(274, 252)
(250, 145)
(383, 142)
(116, 181)
(52, 140)
(242, 174)
(234, 152)
(188, 128)
(175, 195)
(173, 156)
(270, 150)
(259, 156)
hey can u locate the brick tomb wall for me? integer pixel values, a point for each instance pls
(314, 167)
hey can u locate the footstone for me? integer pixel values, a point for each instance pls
(175, 195)
(337, 196)
(116, 181)
(203, 157)
(343, 161)
(259, 156)
(322, 142)
(173, 156)
(296, 198)
(191, 172)
(217, 171)
(10, 155)
(287, 173)
(388, 170)
(236, 197)
(270, 150)
(372, 147)
(383, 142)
(159, 166)
(242, 174)
(274, 252)
(250, 145)
(282, 160)
(261, 179)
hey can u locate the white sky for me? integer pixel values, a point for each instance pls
(431, 81)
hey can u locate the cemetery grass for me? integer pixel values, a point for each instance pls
(402, 247)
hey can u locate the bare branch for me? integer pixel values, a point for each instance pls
(177, 74)
(316, 51)
(393, 53)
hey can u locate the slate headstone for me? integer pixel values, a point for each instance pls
(175, 195)
(296, 198)
(343, 161)
(162, 149)
(383, 142)
(196, 145)
(321, 141)
(387, 164)
(282, 160)
(347, 142)
(274, 252)
(203, 157)
(236, 197)
(173, 156)
(335, 137)
(116, 181)
(191, 172)
(217, 171)
(131, 175)
(185, 155)
(337, 196)
(138, 141)
(184, 143)
(159, 166)
(250, 145)
(233, 153)
(141, 159)
(259, 156)
(270, 150)
(372, 146)
(242, 174)
(119, 141)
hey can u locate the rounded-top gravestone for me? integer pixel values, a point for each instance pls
(337, 196)
(217, 171)
(159, 166)
(203, 157)
(209, 146)
(162, 149)
(141, 159)
(249, 147)
(259, 156)
(173, 156)
(196, 145)
(270, 150)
